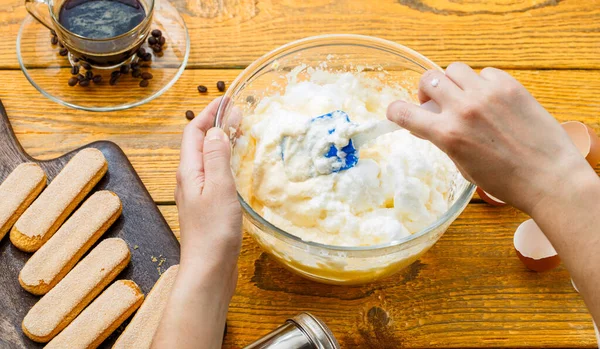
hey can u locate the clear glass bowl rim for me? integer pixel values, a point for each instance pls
(338, 40)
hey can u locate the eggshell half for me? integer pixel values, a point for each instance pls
(534, 249)
(492, 200)
(585, 139)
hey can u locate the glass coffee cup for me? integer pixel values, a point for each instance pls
(103, 33)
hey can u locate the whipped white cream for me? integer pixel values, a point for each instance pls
(399, 186)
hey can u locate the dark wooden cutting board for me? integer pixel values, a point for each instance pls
(141, 225)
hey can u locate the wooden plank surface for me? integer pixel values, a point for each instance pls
(469, 290)
(150, 134)
(504, 33)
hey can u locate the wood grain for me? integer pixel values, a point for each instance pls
(469, 290)
(505, 33)
(150, 134)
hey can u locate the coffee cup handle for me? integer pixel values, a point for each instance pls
(34, 7)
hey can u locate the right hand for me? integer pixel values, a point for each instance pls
(495, 131)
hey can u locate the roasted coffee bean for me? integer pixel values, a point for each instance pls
(144, 83)
(80, 77)
(75, 70)
(202, 89)
(147, 57)
(97, 79)
(221, 86)
(152, 41)
(52, 32)
(61, 44)
(250, 99)
(141, 52)
(189, 115)
(73, 81)
(156, 33)
(162, 41)
(75, 59)
(125, 69)
(113, 80)
(115, 74)
(136, 73)
(63, 52)
(54, 40)
(89, 75)
(86, 66)
(84, 83)
(156, 48)
(135, 66)
(146, 76)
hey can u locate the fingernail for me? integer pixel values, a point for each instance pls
(216, 134)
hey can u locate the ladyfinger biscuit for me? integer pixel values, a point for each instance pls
(58, 256)
(60, 306)
(101, 318)
(43, 218)
(17, 192)
(140, 331)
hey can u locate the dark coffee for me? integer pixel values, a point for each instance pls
(101, 19)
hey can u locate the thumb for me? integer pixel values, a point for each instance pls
(414, 118)
(217, 155)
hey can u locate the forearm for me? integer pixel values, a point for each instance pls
(197, 309)
(570, 218)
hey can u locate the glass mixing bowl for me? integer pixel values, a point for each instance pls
(392, 64)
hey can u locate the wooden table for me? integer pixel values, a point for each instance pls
(470, 290)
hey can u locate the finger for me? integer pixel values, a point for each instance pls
(233, 121)
(217, 154)
(191, 144)
(437, 86)
(463, 76)
(190, 174)
(191, 164)
(414, 118)
(492, 74)
(206, 119)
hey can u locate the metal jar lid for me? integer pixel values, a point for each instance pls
(316, 331)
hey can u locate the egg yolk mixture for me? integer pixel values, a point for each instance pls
(399, 185)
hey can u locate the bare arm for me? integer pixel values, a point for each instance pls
(504, 141)
(210, 221)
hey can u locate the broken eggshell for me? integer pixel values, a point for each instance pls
(534, 249)
(492, 200)
(585, 139)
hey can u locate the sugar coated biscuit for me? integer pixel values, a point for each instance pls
(18, 191)
(140, 331)
(101, 318)
(58, 256)
(71, 295)
(43, 218)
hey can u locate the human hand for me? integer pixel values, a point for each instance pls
(210, 216)
(210, 219)
(495, 131)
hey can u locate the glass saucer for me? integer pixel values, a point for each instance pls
(49, 72)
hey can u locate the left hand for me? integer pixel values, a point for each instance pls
(209, 212)
(210, 218)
